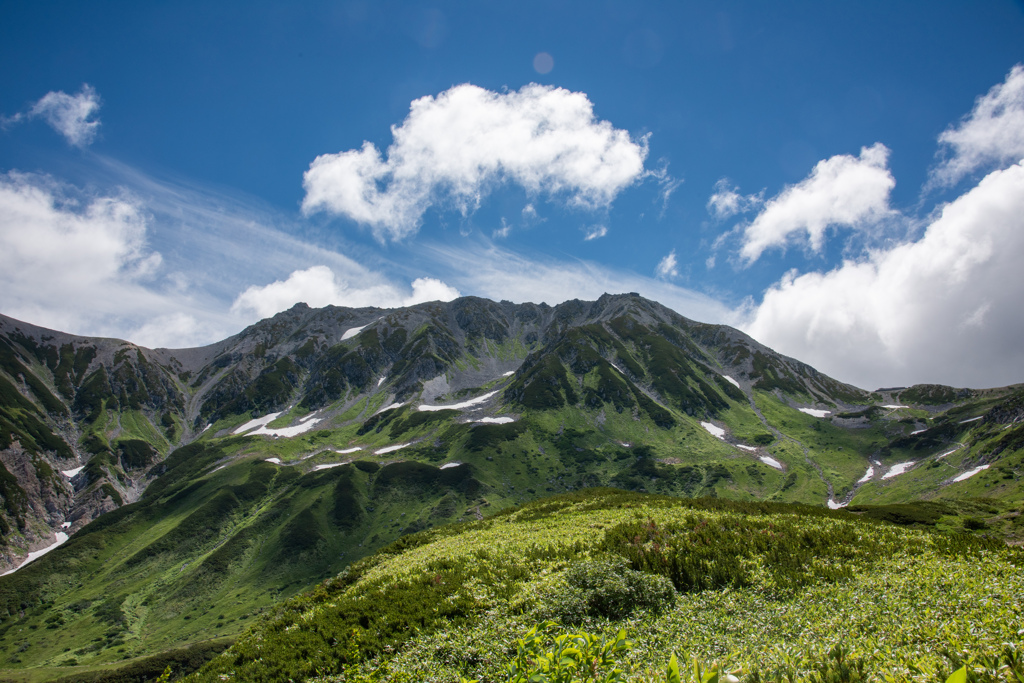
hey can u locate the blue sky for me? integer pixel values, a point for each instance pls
(840, 180)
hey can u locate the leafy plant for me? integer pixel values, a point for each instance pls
(545, 656)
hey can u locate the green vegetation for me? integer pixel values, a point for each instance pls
(446, 604)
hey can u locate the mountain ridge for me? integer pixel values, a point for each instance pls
(215, 481)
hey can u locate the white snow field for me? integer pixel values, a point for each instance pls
(449, 465)
(257, 422)
(731, 381)
(390, 406)
(746, 448)
(495, 420)
(461, 406)
(71, 473)
(328, 466)
(973, 419)
(867, 475)
(770, 461)
(36, 554)
(898, 469)
(717, 432)
(834, 505)
(392, 449)
(970, 473)
(276, 461)
(353, 331)
(894, 407)
(350, 450)
(814, 412)
(508, 374)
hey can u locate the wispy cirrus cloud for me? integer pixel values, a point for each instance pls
(992, 133)
(73, 116)
(453, 148)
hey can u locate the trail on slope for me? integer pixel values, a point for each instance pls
(785, 437)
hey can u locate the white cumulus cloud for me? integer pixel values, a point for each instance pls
(726, 201)
(993, 133)
(945, 308)
(319, 286)
(668, 267)
(595, 232)
(455, 147)
(70, 115)
(842, 190)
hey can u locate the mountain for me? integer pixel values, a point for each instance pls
(201, 486)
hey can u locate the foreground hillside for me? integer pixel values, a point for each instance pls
(763, 590)
(201, 487)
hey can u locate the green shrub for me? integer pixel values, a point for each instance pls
(605, 588)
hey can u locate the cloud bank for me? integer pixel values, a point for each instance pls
(456, 146)
(318, 286)
(945, 308)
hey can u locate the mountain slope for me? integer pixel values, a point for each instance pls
(249, 470)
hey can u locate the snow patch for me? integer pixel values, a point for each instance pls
(973, 419)
(714, 431)
(832, 505)
(328, 466)
(257, 422)
(206, 427)
(948, 453)
(508, 374)
(617, 368)
(217, 469)
(450, 465)
(350, 450)
(970, 473)
(813, 412)
(894, 407)
(390, 406)
(898, 469)
(353, 331)
(65, 525)
(381, 380)
(495, 420)
(308, 417)
(71, 473)
(276, 461)
(770, 461)
(746, 448)
(867, 475)
(287, 431)
(919, 431)
(731, 381)
(461, 406)
(36, 554)
(392, 449)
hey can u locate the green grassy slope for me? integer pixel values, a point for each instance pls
(761, 587)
